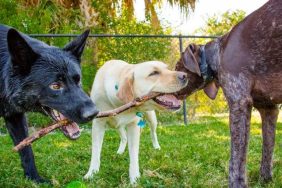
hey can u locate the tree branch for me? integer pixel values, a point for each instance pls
(42, 132)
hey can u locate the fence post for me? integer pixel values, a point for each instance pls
(184, 101)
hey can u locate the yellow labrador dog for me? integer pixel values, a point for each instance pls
(117, 83)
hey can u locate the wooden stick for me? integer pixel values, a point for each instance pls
(136, 102)
(42, 132)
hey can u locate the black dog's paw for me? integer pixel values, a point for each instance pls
(39, 180)
(42, 180)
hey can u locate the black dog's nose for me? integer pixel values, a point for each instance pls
(88, 113)
(182, 77)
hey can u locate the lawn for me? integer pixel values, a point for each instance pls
(193, 156)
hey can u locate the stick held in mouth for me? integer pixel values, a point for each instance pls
(42, 132)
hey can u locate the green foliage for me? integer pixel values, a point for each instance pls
(218, 25)
(50, 17)
(192, 156)
(132, 50)
(199, 102)
(45, 18)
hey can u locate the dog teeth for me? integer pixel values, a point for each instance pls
(56, 113)
(44, 110)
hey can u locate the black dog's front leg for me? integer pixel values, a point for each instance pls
(17, 127)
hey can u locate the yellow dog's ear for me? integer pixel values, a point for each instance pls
(126, 90)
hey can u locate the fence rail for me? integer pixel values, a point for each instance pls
(125, 36)
(179, 37)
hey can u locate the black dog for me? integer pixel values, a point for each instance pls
(38, 77)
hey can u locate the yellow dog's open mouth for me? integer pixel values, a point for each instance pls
(168, 101)
(71, 131)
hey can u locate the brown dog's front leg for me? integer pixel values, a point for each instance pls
(240, 113)
(269, 117)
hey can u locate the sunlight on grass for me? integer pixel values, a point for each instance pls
(62, 144)
(223, 138)
(255, 131)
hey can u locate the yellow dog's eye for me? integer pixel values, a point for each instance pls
(56, 86)
(154, 73)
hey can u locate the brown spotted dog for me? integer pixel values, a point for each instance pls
(247, 64)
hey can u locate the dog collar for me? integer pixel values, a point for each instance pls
(142, 121)
(205, 69)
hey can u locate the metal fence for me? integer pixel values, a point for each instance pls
(172, 45)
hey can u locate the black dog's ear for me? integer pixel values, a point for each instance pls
(189, 60)
(22, 55)
(77, 45)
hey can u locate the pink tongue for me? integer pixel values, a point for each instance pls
(72, 130)
(170, 98)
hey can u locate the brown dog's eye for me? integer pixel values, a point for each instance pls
(154, 73)
(56, 86)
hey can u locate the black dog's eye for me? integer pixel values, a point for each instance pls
(154, 73)
(76, 79)
(56, 86)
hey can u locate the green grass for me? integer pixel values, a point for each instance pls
(192, 156)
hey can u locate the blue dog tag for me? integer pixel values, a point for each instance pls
(116, 87)
(139, 114)
(142, 122)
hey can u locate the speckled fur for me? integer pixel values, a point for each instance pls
(247, 65)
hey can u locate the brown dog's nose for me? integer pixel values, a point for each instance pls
(182, 77)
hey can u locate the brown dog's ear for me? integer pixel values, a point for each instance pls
(189, 60)
(211, 90)
(126, 90)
